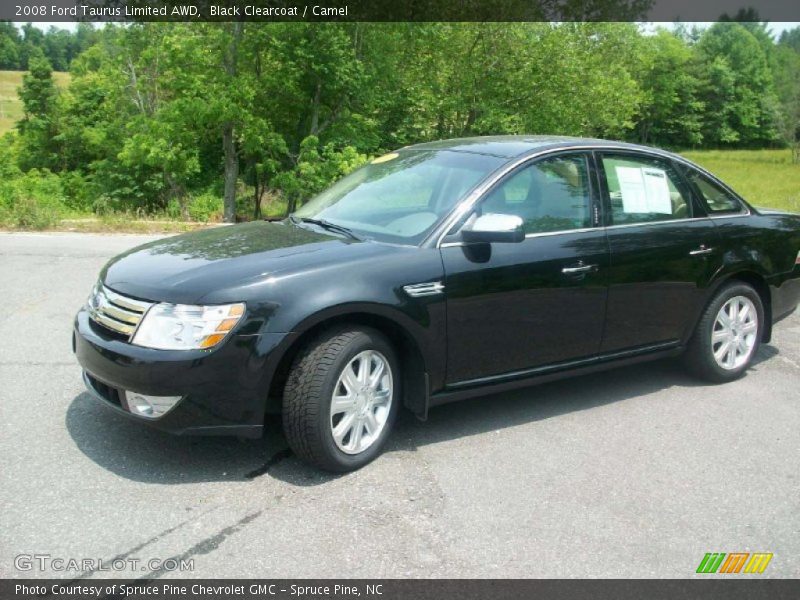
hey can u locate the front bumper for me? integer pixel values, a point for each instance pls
(223, 391)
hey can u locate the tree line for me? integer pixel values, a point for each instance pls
(194, 119)
(59, 46)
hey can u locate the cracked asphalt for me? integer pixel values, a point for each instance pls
(636, 472)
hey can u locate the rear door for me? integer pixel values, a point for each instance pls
(664, 251)
(517, 306)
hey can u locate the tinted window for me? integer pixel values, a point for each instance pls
(643, 190)
(550, 195)
(715, 199)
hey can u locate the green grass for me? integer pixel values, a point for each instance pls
(762, 177)
(10, 104)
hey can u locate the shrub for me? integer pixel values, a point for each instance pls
(34, 201)
(28, 213)
(8, 158)
(173, 210)
(79, 192)
(206, 207)
(102, 205)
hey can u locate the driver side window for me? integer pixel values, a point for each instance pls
(549, 195)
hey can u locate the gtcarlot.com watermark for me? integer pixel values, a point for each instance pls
(44, 563)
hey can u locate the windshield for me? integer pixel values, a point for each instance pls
(400, 197)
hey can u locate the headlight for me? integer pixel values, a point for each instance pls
(184, 327)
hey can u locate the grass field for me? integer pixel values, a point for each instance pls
(10, 104)
(762, 177)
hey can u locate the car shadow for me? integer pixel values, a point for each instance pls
(137, 452)
(765, 352)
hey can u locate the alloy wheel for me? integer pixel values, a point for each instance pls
(733, 337)
(361, 402)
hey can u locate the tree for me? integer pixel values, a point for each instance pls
(592, 65)
(38, 125)
(671, 113)
(318, 94)
(786, 72)
(749, 19)
(160, 114)
(9, 46)
(315, 169)
(791, 38)
(230, 61)
(31, 44)
(738, 89)
(57, 46)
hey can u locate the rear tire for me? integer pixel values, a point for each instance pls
(341, 398)
(728, 334)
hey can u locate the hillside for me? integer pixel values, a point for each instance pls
(10, 105)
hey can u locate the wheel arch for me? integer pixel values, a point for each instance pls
(412, 359)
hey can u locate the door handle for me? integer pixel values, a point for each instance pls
(701, 251)
(579, 270)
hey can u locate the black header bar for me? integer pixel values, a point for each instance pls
(267, 11)
(733, 588)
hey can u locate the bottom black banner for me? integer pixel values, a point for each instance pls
(391, 589)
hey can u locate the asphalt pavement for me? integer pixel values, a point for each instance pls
(636, 472)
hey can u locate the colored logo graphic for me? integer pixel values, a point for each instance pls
(734, 562)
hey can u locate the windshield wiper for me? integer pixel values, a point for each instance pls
(327, 225)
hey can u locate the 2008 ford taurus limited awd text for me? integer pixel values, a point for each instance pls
(438, 272)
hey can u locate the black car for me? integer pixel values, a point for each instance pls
(435, 273)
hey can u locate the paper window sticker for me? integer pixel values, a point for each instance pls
(656, 187)
(632, 189)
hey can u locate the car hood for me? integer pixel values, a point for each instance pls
(219, 264)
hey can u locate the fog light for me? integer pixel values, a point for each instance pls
(150, 407)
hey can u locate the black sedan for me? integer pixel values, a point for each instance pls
(438, 272)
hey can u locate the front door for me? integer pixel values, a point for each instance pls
(517, 306)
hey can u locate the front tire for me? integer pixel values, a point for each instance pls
(728, 335)
(341, 398)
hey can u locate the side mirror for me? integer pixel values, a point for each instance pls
(494, 227)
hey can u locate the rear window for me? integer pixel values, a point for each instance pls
(716, 199)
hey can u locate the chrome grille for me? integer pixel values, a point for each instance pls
(115, 311)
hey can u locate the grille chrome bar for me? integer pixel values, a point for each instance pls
(113, 324)
(120, 314)
(139, 306)
(116, 312)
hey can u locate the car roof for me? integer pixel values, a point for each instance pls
(514, 146)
